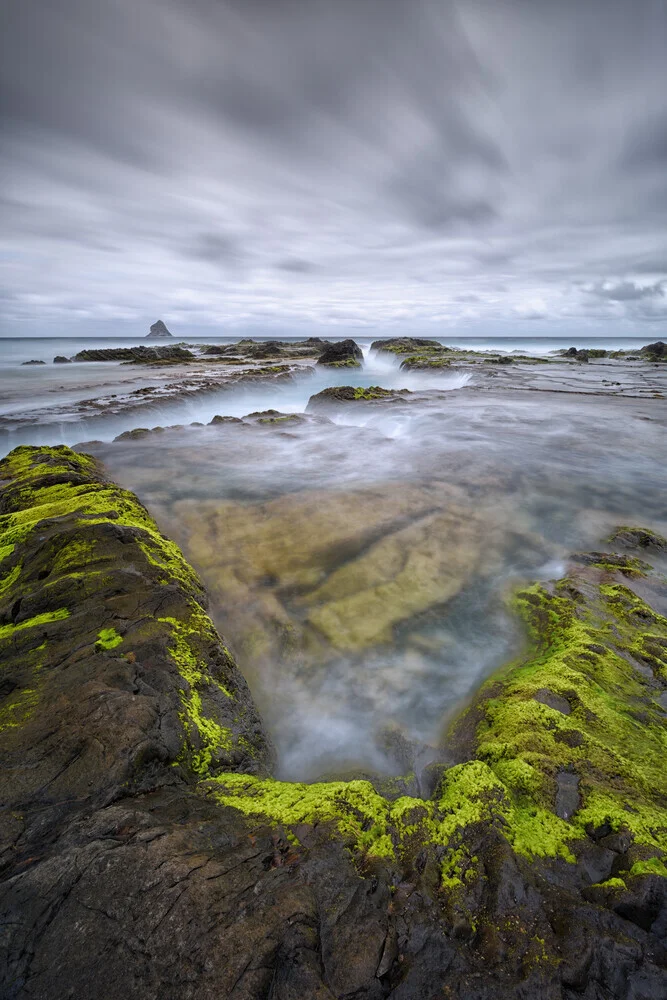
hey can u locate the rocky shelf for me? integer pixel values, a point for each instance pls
(148, 852)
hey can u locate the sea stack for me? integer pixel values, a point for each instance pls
(158, 330)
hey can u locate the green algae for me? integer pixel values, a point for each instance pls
(81, 500)
(92, 502)
(8, 631)
(108, 638)
(614, 740)
(9, 579)
(372, 392)
(651, 866)
(205, 737)
(426, 361)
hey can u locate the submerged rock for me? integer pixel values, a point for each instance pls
(343, 353)
(146, 848)
(157, 331)
(33, 362)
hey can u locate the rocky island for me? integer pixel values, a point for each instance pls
(158, 331)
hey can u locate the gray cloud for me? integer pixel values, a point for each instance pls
(380, 162)
(628, 291)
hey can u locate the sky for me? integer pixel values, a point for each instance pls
(493, 167)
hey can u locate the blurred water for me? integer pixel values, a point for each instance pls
(273, 517)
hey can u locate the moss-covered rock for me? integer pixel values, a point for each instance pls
(407, 345)
(426, 362)
(331, 397)
(342, 353)
(146, 849)
(85, 575)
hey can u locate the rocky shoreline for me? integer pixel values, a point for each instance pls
(148, 852)
(175, 374)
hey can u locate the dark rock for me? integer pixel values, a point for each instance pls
(61, 360)
(406, 345)
(577, 354)
(127, 736)
(33, 362)
(568, 799)
(134, 435)
(140, 355)
(638, 538)
(553, 700)
(337, 394)
(656, 351)
(343, 351)
(158, 330)
(217, 419)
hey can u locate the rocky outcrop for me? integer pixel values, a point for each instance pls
(158, 331)
(655, 352)
(138, 355)
(148, 854)
(332, 397)
(341, 354)
(33, 362)
(407, 345)
(425, 362)
(60, 359)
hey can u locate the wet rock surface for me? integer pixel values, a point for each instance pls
(137, 355)
(341, 354)
(147, 854)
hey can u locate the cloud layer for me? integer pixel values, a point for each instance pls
(493, 165)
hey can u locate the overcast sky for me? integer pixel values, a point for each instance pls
(487, 166)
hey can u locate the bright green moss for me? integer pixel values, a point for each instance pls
(108, 638)
(10, 579)
(6, 550)
(93, 502)
(200, 749)
(356, 811)
(614, 739)
(372, 392)
(8, 631)
(611, 883)
(652, 866)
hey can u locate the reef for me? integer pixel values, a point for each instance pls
(148, 853)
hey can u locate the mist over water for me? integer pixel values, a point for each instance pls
(360, 569)
(359, 560)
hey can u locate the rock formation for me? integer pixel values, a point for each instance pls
(138, 355)
(158, 330)
(341, 354)
(147, 853)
